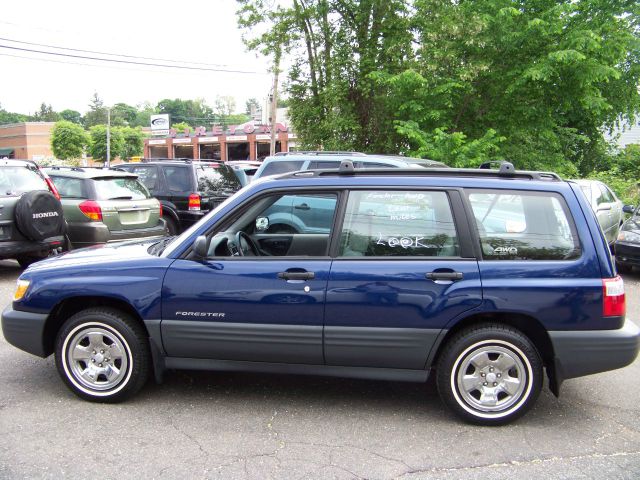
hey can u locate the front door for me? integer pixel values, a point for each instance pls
(258, 296)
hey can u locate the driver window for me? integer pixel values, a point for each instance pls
(280, 225)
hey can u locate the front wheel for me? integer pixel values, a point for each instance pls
(102, 355)
(490, 374)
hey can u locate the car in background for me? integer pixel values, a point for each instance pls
(103, 206)
(245, 169)
(285, 162)
(187, 189)
(31, 219)
(606, 205)
(627, 246)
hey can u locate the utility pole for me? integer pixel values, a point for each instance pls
(108, 162)
(274, 102)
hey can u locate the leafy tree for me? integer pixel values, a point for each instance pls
(71, 116)
(9, 117)
(97, 114)
(98, 143)
(68, 140)
(192, 112)
(123, 114)
(133, 142)
(181, 126)
(46, 114)
(532, 81)
(143, 115)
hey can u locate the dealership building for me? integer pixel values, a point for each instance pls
(26, 140)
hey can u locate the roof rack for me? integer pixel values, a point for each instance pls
(506, 171)
(320, 152)
(165, 159)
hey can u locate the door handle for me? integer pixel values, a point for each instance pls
(296, 275)
(444, 275)
(303, 206)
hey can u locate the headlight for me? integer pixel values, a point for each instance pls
(627, 236)
(21, 289)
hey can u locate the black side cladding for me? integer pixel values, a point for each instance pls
(38, 215)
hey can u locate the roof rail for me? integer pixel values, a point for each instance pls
(65, 167)
(506, 171)
(320, 152)
(165, 159)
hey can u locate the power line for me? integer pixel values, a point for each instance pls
(111, 54)
(130, 62)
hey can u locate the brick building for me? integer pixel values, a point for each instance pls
(243, 142)
(26, 140)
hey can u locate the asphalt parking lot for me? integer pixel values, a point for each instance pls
(227, 426)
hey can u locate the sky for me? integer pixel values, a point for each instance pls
(204, 32)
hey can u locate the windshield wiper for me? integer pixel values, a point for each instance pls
(158, 247)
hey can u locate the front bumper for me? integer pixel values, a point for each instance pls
(25, 330)
(579, 353)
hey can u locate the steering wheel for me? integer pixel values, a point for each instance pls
(243, 245)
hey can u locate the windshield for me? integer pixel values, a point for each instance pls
(120, 189)
(19, 180)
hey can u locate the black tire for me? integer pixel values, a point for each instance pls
(38, 215)
(500, 385)
(172, 227)
(26, 260)
(112, 358)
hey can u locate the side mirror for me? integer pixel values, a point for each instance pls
(628, 208)
(201, 247)
(262, 224)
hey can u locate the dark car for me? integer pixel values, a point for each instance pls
(102, 206)
(187, 189)
(31, 220)
(627, 246)
(403, 282)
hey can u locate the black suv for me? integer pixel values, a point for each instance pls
(31, 220)
(187, 189)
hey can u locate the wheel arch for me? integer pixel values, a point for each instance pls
(70, 306)
(529, 326)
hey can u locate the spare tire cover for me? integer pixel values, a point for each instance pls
(38, 215)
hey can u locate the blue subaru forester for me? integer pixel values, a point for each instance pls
(484, 277)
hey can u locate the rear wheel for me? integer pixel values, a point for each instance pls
(172, 227)
(490, 374)
(102, 355)
(26, 260)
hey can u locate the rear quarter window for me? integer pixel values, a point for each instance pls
(515, 225)
(274, 168)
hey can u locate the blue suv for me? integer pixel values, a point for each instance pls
(485, 278)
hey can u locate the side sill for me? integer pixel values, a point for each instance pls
(391, 374)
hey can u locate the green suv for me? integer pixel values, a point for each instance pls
(102, 206)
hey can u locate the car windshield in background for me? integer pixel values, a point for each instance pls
(120, 189)
(18, 180)
(214, 178)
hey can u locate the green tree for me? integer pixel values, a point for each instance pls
(133, 142)
(98, 142)
(68, 140)
(46, 114)
(97, 114)
(71, 116)
(193, 112)
(143, 115)
(9, 117)
(123, 114)
(181, 126)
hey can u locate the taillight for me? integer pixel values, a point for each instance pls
(160, 208)
(614, 304)
(91, 209)
(52, 187)
(194, 201)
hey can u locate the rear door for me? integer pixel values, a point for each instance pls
(404, 269)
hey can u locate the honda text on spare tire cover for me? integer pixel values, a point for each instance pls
(31, 219)
(485, 279)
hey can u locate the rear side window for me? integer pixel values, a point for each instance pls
(274, 168)
(19, 180)
(217, 179)
(119, 189)
(524, 226)
(319, 164)
(393, 223)
(69, 187)
(178, 179)
(148, 175)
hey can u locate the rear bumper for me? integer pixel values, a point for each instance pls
(15, 248)
(24, 330)
(627, 254)
(93, 233)
(579, 353)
